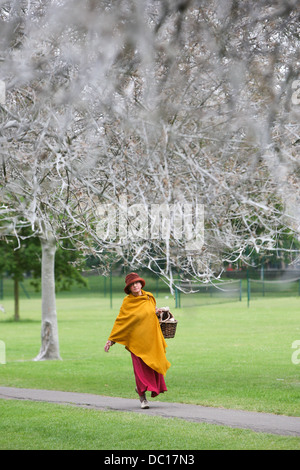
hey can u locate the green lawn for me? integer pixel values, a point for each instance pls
(223, 355)
(42, 426)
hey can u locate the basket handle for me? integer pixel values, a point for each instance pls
(166, 319)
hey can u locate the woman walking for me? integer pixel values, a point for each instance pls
(137, 328)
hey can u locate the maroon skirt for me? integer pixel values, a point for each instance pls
(147, 378)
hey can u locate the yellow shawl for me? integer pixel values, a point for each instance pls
(137, 328)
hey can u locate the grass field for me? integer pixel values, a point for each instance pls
(32, 426)
(223, 355)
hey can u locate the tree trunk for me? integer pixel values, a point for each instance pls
(16, 296)
(49, 334)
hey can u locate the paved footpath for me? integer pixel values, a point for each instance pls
(259, 422)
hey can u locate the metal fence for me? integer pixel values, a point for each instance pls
(265, 288)
(185, 293)
(192, 294)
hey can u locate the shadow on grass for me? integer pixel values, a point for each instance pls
(21, 320)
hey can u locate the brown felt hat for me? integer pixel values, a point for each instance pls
(130, 279)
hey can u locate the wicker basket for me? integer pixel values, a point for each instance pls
(167, 323)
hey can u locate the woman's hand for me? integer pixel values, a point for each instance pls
(108, 345)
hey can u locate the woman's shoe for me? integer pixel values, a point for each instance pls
(144, 405)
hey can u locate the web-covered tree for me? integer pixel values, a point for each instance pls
(141, 105)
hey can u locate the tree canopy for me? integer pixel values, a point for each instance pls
(125, 113)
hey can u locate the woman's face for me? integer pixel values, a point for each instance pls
(136, 288)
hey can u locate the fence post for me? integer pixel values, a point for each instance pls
(263, 279)
(104, 285)
(177, 298)
(248, 290)
(110, 288)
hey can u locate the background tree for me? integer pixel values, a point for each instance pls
(173, 104)
(17, 260)
(22, 258)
